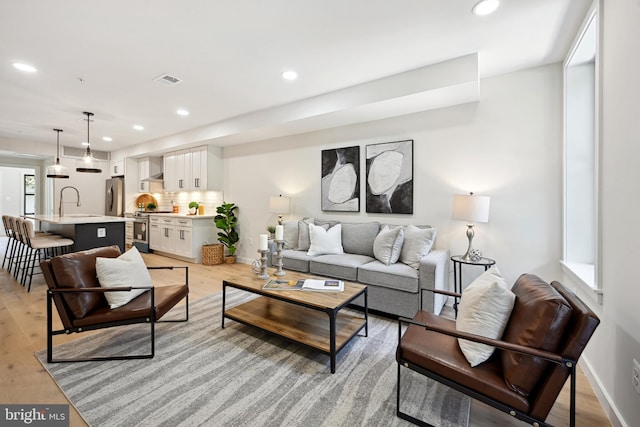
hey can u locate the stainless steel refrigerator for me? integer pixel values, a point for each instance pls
(114, 197)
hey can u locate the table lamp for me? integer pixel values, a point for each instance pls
(472, 209)
(279, 205)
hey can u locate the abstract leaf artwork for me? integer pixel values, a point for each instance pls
(341, 179)
(390, 177)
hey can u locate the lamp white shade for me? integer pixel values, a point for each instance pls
(467, 207)
(279, 205)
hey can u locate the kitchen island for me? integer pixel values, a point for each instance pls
(86, 230)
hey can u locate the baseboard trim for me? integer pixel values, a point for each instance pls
(608, 406)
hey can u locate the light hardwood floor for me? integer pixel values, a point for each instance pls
(23, 332)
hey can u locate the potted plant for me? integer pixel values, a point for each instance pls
(226, 221)
(193, 208)
(272, 231)
(151, 207)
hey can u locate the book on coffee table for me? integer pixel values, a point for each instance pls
(304, 285)
(323, 285)
(283, 285)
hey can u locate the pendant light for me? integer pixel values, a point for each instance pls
(88, 164)
(57, 170)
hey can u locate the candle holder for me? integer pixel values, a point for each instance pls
(279, 247)
(263, 264)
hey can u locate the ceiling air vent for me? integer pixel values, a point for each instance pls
(80, 152)
(168, 80)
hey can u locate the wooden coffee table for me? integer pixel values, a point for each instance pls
(314, 319)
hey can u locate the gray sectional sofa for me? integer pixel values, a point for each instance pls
(393, 289)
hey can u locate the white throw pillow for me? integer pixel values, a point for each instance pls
(325, 241)
(128, 269)
(388, 245)
(485, 308)
(417, 243)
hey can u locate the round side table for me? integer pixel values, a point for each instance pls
(458, 261)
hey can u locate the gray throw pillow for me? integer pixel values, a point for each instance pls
(417, 243)
(290, 234)
(388, 245)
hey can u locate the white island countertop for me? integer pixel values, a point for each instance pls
(78, 218)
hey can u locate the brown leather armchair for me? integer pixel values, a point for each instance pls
(74, 289)
(547, 331)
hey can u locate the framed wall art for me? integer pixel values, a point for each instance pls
(390, 177)
(341, 179)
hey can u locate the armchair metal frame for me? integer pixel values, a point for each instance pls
(503, 345)
(54, 296)
(555, 358)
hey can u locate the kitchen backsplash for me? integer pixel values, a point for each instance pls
(209, 199)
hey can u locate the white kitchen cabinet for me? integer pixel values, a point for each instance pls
(116, 167)
(148, 168)
(168, 238)
(194, 169)
(184, 238)
(155, 233)
(181, 237)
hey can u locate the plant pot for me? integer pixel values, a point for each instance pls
(230, 259)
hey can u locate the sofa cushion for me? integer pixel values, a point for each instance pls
(417, 243)
(358, 238)
(388, 245)
(325, 241)
(343, 266)
(78, 270)
(128, 269)
(539, 318)
(485, 307)
(395, 276)
(296, 260)
(290, 234)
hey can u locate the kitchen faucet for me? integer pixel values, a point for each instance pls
(60, 211)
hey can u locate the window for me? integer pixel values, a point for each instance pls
(581, 142)
(29, 193)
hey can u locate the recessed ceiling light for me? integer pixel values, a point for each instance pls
(25, 67)
(182, 112)
(138, 127)
(485, 7)
(289, 75)
(107, 138)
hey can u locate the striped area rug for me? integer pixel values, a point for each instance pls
(239, 376)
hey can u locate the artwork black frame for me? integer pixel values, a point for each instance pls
(389, 175)
(340, 180)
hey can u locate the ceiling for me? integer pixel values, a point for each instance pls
(103, 57)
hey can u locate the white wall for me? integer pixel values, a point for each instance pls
(91, 186)
(617, 341)
(507, 146)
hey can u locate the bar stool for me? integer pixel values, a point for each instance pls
(11, 242)
(17, 251)
(51, 245)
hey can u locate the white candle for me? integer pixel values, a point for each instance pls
(279, 232)
(263, 242)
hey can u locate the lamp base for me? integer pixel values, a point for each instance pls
(470, 233)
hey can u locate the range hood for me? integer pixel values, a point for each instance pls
(155, 178)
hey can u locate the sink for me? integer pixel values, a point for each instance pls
(80, 215)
